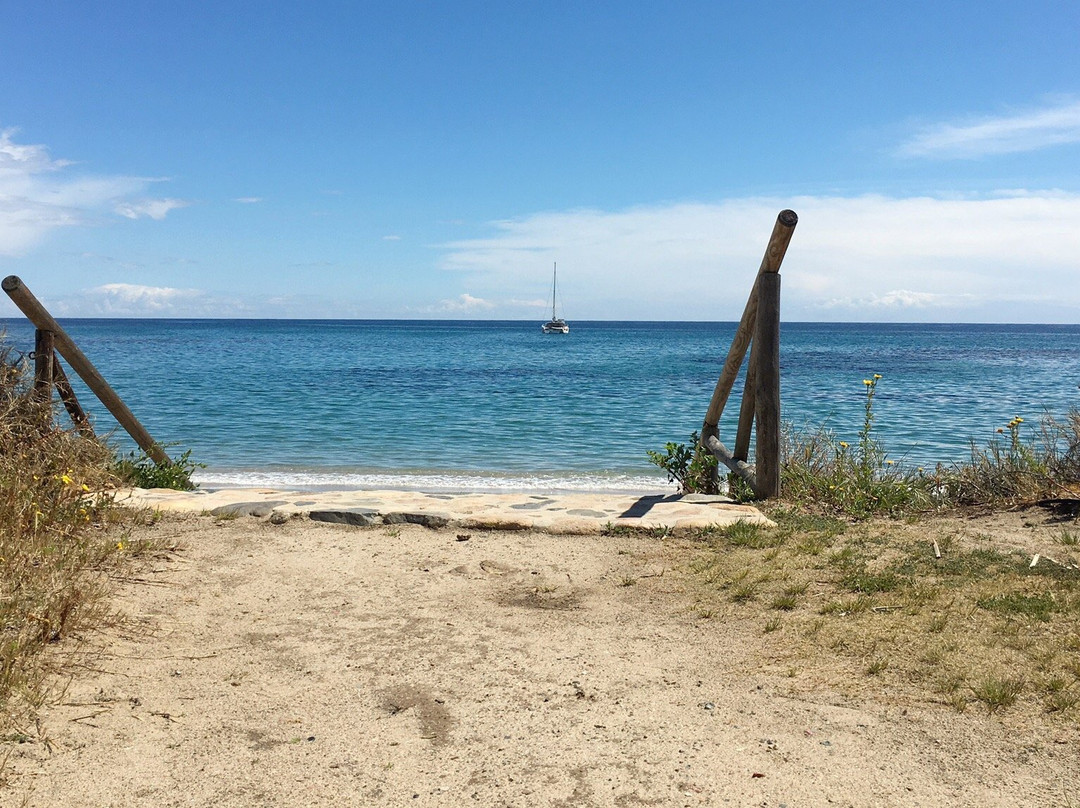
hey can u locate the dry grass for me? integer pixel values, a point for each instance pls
(868, 607)
(57, 551)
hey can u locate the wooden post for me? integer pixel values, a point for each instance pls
(770, 264)
(739, 467)
(71, 403)
(43, 364)
(36, 313)
(767, 383)
(747, 407)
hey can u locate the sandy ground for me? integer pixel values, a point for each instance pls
(313, 664)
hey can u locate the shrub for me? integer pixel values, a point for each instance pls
(821, 471)
(53, 547)
(694, 470)
(142, 472)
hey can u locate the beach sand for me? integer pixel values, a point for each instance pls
(305, 663)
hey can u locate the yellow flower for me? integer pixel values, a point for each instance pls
(85, 487)
(1019, 420)
(65, 479)
(890, 462)
(843, 445)
(877, 375)
(119, 545)
(866, 382)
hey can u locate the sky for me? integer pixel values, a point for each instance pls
(434, 160)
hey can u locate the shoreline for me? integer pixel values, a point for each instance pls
(440, 481)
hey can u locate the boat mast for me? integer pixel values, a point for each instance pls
(554, 275)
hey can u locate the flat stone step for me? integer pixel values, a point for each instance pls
(575, 513)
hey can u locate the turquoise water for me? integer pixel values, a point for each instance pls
(498, 405)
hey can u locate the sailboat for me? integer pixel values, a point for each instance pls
(556, 325)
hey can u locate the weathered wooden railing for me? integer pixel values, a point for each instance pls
(759, 328)
(51, 339)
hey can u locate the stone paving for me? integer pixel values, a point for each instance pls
(572, 513)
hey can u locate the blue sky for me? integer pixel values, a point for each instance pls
(415, 159)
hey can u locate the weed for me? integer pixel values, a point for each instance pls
(842, 608)
(742, 534)
(877, 665)
(1060, 700)
(142, 472)
(997, 692)
(1068, 538)
(628, 580)
(772, 625)
(812, 545)
(1055, 685)
(785, 603)
(744, 592)
(814, 627)
(1037, 607)
(937, 623)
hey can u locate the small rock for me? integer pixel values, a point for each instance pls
(358, 517)
(259, 509)
(433, 520)
(702, 498)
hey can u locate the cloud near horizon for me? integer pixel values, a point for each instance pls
(39, 194)
(1032, 130)
(850, 257)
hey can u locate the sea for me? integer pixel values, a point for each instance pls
(488, 406)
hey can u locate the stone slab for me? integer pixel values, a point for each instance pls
(571, 513)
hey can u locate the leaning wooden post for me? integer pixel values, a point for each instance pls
(71, 403)
(43, 364)
(747, 407)
(767, 384)
(36, 313)
(770, 263)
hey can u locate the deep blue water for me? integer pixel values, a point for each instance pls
(490, 405)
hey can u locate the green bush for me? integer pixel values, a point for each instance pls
(693, 470)
(142, 472)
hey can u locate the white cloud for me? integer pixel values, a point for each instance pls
(1006, 257)
(391, 238)
(138, 300)
(898, 299)
(39, 194)
(1021, 132)
(131, 300)
(248, 200)
(465, 303)
(150, 208)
